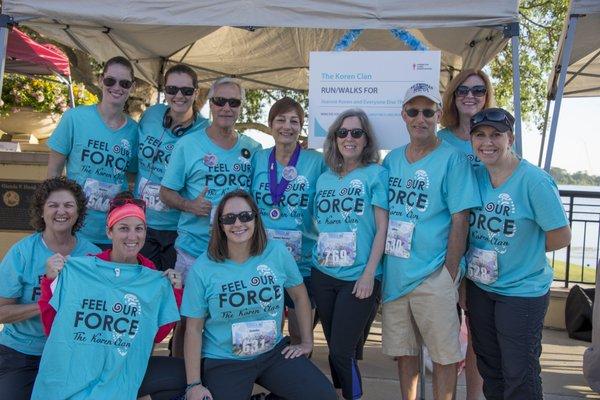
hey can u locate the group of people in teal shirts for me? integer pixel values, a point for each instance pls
(254, 234)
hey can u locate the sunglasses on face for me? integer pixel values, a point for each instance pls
(493, 116)
(244, 216)
(110, 81)
(185, 90)
(221, 101)
(355, 133)
(413, 112)
(116, 203)
(478, 91)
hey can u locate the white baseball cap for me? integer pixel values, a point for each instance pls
(422, 89)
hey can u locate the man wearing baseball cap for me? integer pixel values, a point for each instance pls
(432, 187)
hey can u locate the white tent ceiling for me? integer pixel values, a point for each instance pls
(583, 73)
(271, 47)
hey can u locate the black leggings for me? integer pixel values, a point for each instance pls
(17, 374)
(344, 319)
(164, 379)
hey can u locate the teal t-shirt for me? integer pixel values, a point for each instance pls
(462, 145)
(345, 216)
(294, 223)
(422, 197)
(507, 240)
(103, 333)
(98, 159)
(241, 304)
(197, 162)
(22, 270)
(155, 146)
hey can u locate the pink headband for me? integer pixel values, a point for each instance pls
(126, 210)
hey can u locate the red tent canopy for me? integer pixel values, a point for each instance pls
(28, 57)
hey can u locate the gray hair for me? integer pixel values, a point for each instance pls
(224, 81)
(333, 157)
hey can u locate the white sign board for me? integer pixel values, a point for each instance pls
(374, 81)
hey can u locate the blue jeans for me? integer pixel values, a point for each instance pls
(507, 339)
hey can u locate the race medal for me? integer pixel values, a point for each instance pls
(210, 160)
(290, 173)
(274, 213)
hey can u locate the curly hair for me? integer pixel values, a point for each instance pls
(43, 192)
(217, 245)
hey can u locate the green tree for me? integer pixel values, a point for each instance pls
(541, 25)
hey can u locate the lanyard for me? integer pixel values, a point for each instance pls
(277, 189)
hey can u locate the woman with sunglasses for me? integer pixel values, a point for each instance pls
(234, 304)
(57, 212)
(351, 205)
(468, 93)
(98, 144)
(522, 218)
(161, 126)
(283, 187)
(103, 316)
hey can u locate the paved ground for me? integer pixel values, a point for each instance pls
(561, 368)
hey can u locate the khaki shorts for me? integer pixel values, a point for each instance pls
(427, 315)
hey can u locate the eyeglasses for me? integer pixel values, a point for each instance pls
(185, 90)
(355, 133)
(477, 90)
(221, 101)
(116, 203)
(244, 216)
(413, 112)
(491, 115)
(110, 81)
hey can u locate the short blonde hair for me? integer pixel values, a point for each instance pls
(224, 81)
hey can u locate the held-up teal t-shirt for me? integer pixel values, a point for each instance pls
(507, 239)
(155, 146)
(22, 270)
(103, 333)
(422, 198)
(345, 215)
(241, 304)
(196, 163)
(462, 145)
(98, 159)
(294, 223)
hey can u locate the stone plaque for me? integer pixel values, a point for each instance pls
(15, 197)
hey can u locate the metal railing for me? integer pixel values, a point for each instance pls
(577, 263)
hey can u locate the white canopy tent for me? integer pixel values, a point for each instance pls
(267, 44)
(577, 64)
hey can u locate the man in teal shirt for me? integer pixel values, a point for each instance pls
(431, 190)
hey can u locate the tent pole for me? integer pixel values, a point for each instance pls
(6, 21)
(546, 114)
(71, 95)
(560, 87)
(512, 30)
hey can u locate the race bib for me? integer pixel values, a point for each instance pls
(482, 265)
(292, 240)
(399, 238)
(99, 194)
(149, 192)
(336, 249)
(253, 337)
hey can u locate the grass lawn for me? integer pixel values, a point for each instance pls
(589, 273)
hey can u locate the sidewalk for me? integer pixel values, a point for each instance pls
(561, 367)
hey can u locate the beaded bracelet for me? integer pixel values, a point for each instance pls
(194, 384)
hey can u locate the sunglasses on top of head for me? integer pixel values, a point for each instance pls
(221, 101)
(116, 203)
(413, 112)
(185, 90)
(493, 116)
(355, 133)
(244, 216)
(477, 90)
(109, 81)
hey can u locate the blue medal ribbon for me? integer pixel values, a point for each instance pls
(278, 188)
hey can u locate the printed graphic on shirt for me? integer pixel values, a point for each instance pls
(496, 223)
(98, 158)
(293, 203)
(409, 197)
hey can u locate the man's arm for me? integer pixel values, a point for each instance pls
(457, 241)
